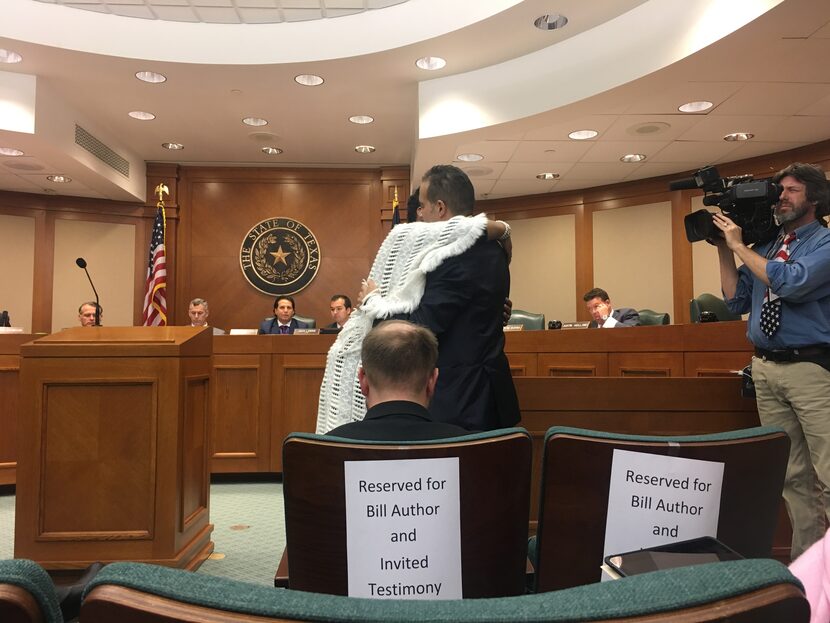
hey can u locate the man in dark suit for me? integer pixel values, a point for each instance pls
(341, 309)
(398, 377)
(603, 313)
(283, 321)
(463, 305)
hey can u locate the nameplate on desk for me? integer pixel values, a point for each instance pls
(575, 325)
(514, 327)
(243, 332)
(11, 329)
(305, 331)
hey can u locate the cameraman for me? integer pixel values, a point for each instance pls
(785, 287)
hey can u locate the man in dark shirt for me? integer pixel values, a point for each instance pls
(398, 377)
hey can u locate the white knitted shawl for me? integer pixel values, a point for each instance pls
(410, 251)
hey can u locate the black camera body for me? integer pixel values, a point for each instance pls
(746, 201)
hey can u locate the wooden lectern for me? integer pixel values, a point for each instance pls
(113, 447)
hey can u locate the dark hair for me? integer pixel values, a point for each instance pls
(290, 299)
(398, 353)
(452, 186)
(596, 292)
(93, 305)
(346, 300)
(815, 182)
(412, 205)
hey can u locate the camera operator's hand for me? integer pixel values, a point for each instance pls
(732, 234)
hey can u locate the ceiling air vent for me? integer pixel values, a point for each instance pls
(102, 152)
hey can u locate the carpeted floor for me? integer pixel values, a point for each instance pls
(248, 532)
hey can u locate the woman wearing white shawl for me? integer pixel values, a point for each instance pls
(409, 252)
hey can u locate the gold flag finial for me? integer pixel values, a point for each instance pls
(162, 190)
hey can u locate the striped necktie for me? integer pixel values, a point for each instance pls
(771, 309)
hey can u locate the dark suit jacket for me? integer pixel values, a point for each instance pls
(625, 316)
(397, 420)
(272, 326)
(463, 304)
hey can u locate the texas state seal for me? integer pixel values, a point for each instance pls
(279, 256)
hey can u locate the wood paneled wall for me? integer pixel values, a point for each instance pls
(349, 211)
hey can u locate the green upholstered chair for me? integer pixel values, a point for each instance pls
(710, 303)
(651, 317)
(494, 480)
(760, 591)
(311, 323)
(27, 594)
(528, 320)
(575, 480)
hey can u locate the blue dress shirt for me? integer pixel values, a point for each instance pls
(802, 282)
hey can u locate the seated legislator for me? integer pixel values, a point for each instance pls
(341, 309)
(283, 321)
(604, 315)
(198, 311)
(398, 378)
(86, 314)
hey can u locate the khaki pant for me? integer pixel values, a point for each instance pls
(796, 397)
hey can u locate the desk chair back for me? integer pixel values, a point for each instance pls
(494, 477)
(576, 468)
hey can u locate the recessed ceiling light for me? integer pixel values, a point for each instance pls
(272, 151)
(255, 121)
(550, 22)
(547, 176)
(695, 106)
(141, 115)
(738, 136)
(469, 157)
(633, 158)
(361, 119)
(308, 80)
(582, 135)
(364, 149)
(172, 146)
(431, 63)
(9, 56)
(10, 151)
(150, 76)
(59, 179)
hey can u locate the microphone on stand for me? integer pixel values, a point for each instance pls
(81, 262)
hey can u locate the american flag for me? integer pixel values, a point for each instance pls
(155, 289)
(396, 217)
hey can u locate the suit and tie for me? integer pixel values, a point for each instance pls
(625, 317)
(271, 326)
(463, 304)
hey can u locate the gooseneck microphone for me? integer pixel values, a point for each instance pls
(81, 262)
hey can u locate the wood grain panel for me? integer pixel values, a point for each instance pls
(299, 378)
(645, 364)
(723, 364)
(241, 410)
(573, 364)
(522, 364)
(195, 479)
(9, 403)
(104, 432)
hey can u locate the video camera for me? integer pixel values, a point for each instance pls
(747, 202)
